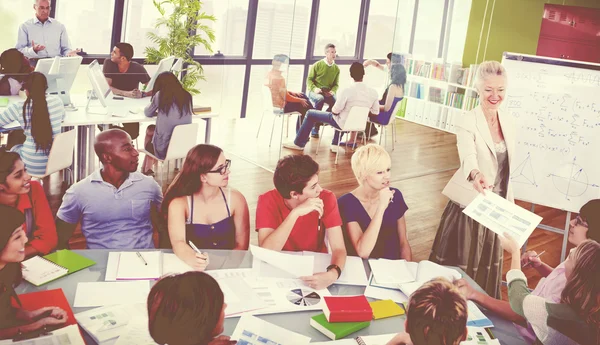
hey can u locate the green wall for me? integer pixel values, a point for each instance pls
(515, 26)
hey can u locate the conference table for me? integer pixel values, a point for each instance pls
(297, 322)
(86, 119)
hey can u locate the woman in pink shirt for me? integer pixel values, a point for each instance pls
(585, 226)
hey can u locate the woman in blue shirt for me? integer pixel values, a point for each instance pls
(40, 116)
(373, 213)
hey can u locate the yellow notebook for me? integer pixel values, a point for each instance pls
(385, 308)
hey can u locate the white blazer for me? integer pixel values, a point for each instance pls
(476, 151)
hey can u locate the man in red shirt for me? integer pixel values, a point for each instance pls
(296, 215)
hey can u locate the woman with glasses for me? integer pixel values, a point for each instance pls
(585, 226)
(201, 208)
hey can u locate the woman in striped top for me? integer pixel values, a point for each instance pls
(40, 116)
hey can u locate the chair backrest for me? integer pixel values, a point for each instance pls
(357, 119)
(267, 101)
(184, 137)
(61, 152)
(392, 116)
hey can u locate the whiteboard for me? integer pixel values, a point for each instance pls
(556, 106)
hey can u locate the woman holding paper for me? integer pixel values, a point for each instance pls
(201, 208)
(187, 309)
(485, 139)
(14, 321)
(373, 213)
(576, 319)
(585, 226)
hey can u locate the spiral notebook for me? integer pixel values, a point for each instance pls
(41, 270)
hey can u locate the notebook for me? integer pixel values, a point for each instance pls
(41, 270)
(105, 323)
(385, 308)
(336, 330)
(139, 266)
(3, 101)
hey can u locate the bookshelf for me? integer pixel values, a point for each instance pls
(437, 92)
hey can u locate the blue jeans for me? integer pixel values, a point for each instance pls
(312, 117)
(318, 100)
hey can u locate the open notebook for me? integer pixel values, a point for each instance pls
(41, 270)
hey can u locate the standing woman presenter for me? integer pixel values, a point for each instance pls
(485, 138)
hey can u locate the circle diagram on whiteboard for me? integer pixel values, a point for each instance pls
(303, 297)
(571, 180)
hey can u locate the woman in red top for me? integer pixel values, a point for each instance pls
(17, 190)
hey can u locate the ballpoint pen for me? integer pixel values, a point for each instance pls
(537, 256)
(139, 255)
(195, 248)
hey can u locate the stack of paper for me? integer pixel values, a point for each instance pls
(128, 266)
(272, 264)
(252, 330)
(352, 274)
(107, 323)
(479, 336)
(98, 294)
(67, 335)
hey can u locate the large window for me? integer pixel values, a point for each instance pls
(428, 29)
(76, 16)
(282, 28)
(230, 27)
(140, 19)
(337, 24)
(458, 31)
(385, 31)
(12, 14)
(222, 90)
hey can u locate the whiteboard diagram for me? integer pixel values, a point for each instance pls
(524, 173)
(571, 180)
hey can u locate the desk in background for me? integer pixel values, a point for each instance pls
(296, 322)
(86, 125)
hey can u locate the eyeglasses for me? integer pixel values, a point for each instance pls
(223, 169)
(580, 221)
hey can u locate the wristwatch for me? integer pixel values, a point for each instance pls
(337, 268)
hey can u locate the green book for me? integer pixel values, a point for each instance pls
(41, 270)
(336, 330)
(70, 260)
(3, 101)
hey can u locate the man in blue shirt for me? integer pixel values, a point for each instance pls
(42, 36)
(114, 203)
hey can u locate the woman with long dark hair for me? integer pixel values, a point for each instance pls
(172, 106)
(15, 320)
(203, 210)
(14, 69)
(40, 116)
(19, 191)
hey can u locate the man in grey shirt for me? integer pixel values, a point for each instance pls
(42, 36)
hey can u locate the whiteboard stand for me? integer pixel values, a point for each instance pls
(564, 232)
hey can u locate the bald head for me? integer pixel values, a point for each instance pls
(107, 142)
(115, 149)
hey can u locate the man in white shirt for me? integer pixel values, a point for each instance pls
(42, 36)
(358, 94)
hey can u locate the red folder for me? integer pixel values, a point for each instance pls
(347, 309)
(49, 298)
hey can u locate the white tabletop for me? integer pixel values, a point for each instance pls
(132, 109)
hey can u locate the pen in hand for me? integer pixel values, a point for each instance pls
(196, 249)
(536, 256)
(139, 255)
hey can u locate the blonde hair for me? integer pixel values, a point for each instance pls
(437, 314)
(369, 159)
(487, 69)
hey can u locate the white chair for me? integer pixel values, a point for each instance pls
(384, 126)
(268, 108)
(183, 139)
(356, 122)
(61, 155)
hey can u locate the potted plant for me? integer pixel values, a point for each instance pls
(186, 28)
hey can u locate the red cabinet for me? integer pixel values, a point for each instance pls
(570, 32)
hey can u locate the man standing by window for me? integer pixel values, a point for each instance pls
(42, 36)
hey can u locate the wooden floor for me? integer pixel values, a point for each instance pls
(423, 161)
